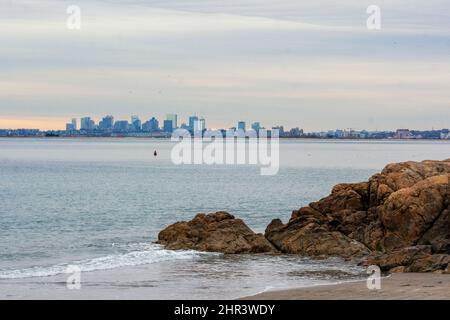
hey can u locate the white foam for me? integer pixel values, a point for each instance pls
(149, 254)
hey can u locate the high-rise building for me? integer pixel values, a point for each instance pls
(168, 126)
(202, 124)
(69, 127)
(192, 121)
(87, 123)
(241, 125)
(121, 125)
(199, 125)
(136, 123)
(74, 124)
(107, 123)
(174, 119)
(154, 124)
(256, 126)
(146, 126)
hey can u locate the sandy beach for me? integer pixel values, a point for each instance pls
(404, 286)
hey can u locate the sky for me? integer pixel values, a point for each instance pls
(297, 63)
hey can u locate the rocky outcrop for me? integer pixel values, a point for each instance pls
(215, 232)
(410, 259)
(401, 216)
(307, 234)
(399, 219)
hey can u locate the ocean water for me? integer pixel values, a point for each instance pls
(100, 203)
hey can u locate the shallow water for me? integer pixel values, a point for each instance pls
(99, 204)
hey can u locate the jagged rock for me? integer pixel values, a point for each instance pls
(410, 212)
(306, 237)
(405, 206)
(400, 258)
(399, 218)
(410, 259)
(215, 232)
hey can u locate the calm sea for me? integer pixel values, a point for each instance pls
(100, 203)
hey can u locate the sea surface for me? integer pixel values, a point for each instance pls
(99, 204)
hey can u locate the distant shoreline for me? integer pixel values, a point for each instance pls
(167, 138)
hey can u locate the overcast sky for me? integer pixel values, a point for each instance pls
(305, 63)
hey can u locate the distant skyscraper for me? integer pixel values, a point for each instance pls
(256, 126)
(69, 127)
(87, 123)
(199, 125)
(168, 126)
(107, 123)
(136, 123)
(121, 125)
(174, 119)
(154, 124)
(74, 124)
(241, 125)
(192, 121)
(202, 124)
(146, 126)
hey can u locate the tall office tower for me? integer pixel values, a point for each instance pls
(192, 120)
(136, 123)
(202, 124)
(199, 125)
(106, 123)
(69, 127)
(121, 125)
(146, 126)
(256, 126)
(154, 124)
(241, 125)
(168, 126)
(174, 119)
(86, 123)
(74, 124)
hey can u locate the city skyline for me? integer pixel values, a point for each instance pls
(323, 67)
(193, 121)
(188, 120)
(108, 126)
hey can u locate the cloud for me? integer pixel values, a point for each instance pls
(286, 61)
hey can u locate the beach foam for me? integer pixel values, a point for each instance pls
(147, 255)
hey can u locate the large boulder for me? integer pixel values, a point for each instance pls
(214, 232)
(399, 219)
(408, 214)
(307, 235)
(410, 259)
(394, 216)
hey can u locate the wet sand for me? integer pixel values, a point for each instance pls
(404, 286)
